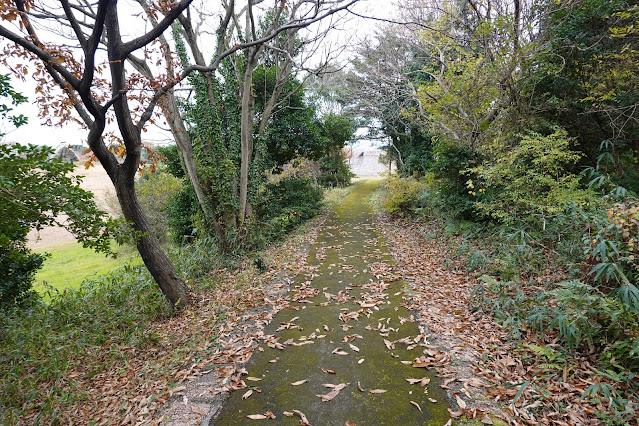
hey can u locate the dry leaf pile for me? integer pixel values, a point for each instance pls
(474, 354)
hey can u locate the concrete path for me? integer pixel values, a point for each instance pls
(343, 353)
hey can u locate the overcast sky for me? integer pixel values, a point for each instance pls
(34, 132)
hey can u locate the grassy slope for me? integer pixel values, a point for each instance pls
(70, 264)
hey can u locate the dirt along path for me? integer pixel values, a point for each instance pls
(346, 351)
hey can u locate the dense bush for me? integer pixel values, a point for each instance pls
(576, 312)
(529, 182)
(183, 211)
(155, 192)
(18, 267)
(285, 205)
(401, 196)
(449, 176)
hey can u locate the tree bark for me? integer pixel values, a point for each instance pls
(154, 258)
(123, 175)
(246, 133)
(183, 142)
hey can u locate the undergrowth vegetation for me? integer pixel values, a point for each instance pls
(563, 283)
(42, 342)
(83, 332)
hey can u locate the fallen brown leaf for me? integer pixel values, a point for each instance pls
(303, 419)
(339, 351)
(257, 417)
(197, 410)
(332, 394)
(460, 402)
(417, 405)
(299, 382)
(487, 420)
(378, 391)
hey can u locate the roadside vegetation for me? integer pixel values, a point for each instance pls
(529, 182)
(67, 265)
(514, 126)
(90, 336)
(61, 351)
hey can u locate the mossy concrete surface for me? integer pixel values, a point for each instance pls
(355, 310)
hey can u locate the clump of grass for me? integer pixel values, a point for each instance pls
(39, 343)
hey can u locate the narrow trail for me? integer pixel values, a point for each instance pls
(347, 329)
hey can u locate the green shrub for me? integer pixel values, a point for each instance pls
(283, 206)
(155, 192)
(18, 266)
(401, 196)
(530, 182)
(183, 212)
(576, 312)
(447, 190)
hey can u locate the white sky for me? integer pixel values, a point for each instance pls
(36, 133)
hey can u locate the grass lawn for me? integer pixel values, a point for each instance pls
(70, 264)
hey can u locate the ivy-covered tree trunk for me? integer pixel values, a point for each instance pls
(248, 111)
(185, 148)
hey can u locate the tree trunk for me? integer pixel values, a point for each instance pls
(152, 254)
(123, 175)
(183, 142)
(246, 134)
